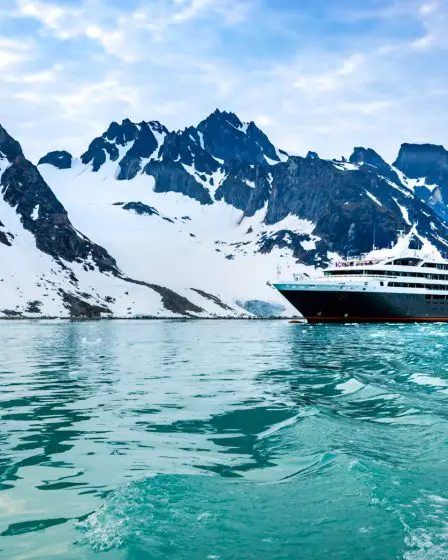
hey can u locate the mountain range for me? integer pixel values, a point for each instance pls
(149, 222)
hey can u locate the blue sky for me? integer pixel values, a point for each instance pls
(321, 75)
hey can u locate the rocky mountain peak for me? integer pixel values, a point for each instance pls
(41, 213)
(367, 156)
(312, 155)
(122, 133)
(225, 137)
(9, 147)
(423, 160)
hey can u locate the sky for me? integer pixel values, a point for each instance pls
(320, 75)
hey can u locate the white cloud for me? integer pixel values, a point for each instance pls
(366, 107)
(14, 52)
(434, 19)
(428, 8)
(64, 22)
(86, 99)
(34, 77)
(331, 79)
(92, 62)
(264, 120)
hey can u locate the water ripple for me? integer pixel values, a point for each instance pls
(223, 439)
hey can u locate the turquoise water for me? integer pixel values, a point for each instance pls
(223, 440)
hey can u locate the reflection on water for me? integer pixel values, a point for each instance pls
(223, 439)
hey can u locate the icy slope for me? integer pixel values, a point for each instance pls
(171, 239)
(49, 268)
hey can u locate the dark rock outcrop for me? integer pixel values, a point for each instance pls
(367, 156)
(171, 300)
(212, 298)
(23, 188)
(172, 177)
(424, 160)
(225, 137)
(351, 208)
(98, 151)
(139, 208)
(430, 162)
(144, 145)
(81, 309)
(60, 159)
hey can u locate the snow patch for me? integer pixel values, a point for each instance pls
(404, 212)
(35, 212)
(216, 179)
(345, 165)
(370, 195)
(201, 139)
(215, 250)
(270, 161)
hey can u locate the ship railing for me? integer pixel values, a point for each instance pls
(356, 262)
(366, 259)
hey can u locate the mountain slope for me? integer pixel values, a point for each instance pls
(196, 222)
(49, 268)
(223, 160)
(426, 169)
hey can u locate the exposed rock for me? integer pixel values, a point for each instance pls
(225, 137)
(80, 309)
(24, 189)
(145, 144)
(97, 153)
(367, 156)
(171, 300)
(33, 307)
(138, 208)
(59, 159)
(213, 298)
(424, 160)
(172, 177)
(11, 313)
(430, 163)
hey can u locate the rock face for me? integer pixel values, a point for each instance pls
(51, 268)
(41, 213)
(200, 219)
(225, 137)
(423, 160)
(60, 159)
(225, 160)
(428, 165)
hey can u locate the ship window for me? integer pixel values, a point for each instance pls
(434, 287)
(438, 266)
(406, 261)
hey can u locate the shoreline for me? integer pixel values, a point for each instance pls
(147, 318)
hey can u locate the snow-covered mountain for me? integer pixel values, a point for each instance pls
(426, 169)
(192, 222)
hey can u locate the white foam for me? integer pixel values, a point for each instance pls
(428, 380)
(350, 386)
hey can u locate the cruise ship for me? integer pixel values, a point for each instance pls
(387, 285)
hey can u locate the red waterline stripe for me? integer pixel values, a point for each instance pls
(376, 319)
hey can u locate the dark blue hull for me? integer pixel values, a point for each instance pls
(320, 306)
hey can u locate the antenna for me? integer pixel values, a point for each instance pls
(374, 229)
(374, 233)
